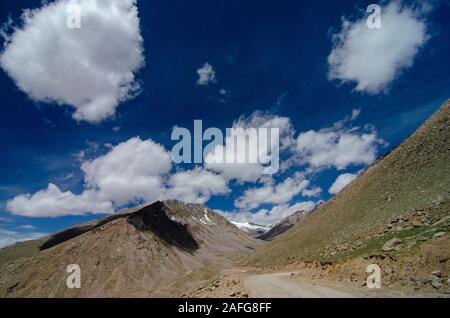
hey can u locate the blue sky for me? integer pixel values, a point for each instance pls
(268, 57)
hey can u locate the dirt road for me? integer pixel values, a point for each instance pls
(277, 285)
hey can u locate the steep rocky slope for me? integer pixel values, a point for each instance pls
(283, 225)
(403, 196)
(156, 250)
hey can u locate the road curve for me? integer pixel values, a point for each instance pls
(278, 285)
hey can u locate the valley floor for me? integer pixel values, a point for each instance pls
(248, 283)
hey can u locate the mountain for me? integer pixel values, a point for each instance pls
(283, 225)
(396, 212)
(252, 229)
(157, 250)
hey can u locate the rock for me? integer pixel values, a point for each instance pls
(428, 279)
(417, 224)
(244, 295)
(439, 234)
(391, 244)
(448, 281)
(441, 221)
(421, 239)
(395, 220)
(436, 273)
(436, 282)
(232, 294)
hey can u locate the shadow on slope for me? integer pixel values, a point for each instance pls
(151, 218)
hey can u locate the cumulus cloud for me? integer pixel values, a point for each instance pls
(206, 75)
(339, 146)
(141, 171)
(269, 217)
(236, 146)
(269, 193)
(132, 170)
(341, 182)
(52, 202)
(373, 58)
(196, 186)
(9, 237)
(91, 68)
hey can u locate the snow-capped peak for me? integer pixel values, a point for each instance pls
(252, 228)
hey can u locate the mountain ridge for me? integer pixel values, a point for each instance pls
(156, 250)
(402, 195)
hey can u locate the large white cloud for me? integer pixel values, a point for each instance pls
(132, 170)
(196, 186)
(53, 202)
(91, 68)
(269, 193)
(341, 182)
(268, 217)
(140, 171)
(246, 172)
(338, 146)
(373, 58)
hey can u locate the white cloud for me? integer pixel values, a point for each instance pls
(196, 186)
(139, 170)
(132, 170)
(341, 182)
(269, 193)
(91, 68)
(52, 202)
(268, 217)
(250, 172)
(338, 146)
(8, 237)
(206, 75)
(313, 192)
(355, 114)
(27, 227)
(373, 58)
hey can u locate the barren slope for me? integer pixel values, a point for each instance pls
(157, 250)
(403, 195)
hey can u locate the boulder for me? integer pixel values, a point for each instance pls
(436, 273)
(436, 282)
(391, 244)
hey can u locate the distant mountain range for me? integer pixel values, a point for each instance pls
(253, 229)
